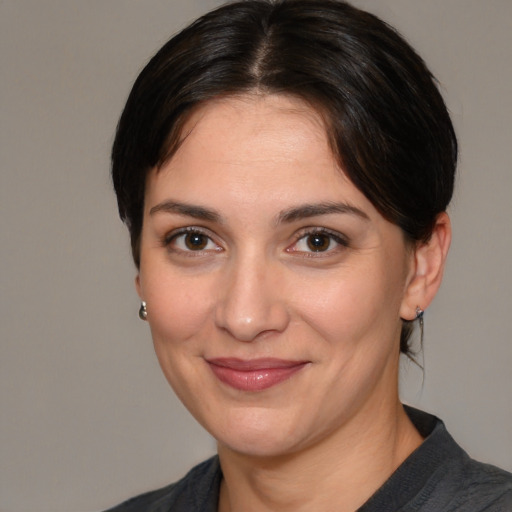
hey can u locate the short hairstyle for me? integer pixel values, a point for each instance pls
(385, 119)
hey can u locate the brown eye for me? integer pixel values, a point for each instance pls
(318, 242)
(191, 240)
(196, 241)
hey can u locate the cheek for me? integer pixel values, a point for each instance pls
(178, 307)
(352, 305)
(179, 313)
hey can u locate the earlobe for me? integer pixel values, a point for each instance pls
(138, 286)
(429, 260)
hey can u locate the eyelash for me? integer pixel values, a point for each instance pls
(175, 235)
(341, 241)
(332, 236)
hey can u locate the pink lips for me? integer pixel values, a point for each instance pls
(254, 374)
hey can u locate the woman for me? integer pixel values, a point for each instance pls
(284, 169)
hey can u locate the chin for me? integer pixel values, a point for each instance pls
(259, 446)
(258, 433)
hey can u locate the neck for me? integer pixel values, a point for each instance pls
(340, 473)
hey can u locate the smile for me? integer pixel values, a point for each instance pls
(254, 374)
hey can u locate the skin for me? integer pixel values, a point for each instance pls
(253, 286)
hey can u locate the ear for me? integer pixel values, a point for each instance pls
(427, 266)
(138, 286)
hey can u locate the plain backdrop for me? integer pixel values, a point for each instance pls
(86, 418)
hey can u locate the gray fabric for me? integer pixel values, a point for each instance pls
(437, 477)
(198, 491)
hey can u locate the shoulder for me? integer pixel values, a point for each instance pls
(456, 482)
(480, 488)
(197, 490)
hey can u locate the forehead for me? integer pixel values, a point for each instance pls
(253, 151)
(255, 115)
(252, 130)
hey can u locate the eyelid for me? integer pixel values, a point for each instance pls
(340, 239)
(169, 237)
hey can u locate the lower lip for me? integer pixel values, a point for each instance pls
(254, 380)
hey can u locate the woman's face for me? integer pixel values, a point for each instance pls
(273, 286)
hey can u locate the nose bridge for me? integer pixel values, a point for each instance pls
(250, 303)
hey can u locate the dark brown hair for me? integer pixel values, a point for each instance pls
(385, 118)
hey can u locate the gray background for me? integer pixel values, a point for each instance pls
(86, 417)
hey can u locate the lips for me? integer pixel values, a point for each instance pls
(254, 374)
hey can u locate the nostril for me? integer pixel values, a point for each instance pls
(251, 302)
(254, 324)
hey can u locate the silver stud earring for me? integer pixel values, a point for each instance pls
(143, 312)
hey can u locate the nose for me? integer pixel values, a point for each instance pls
(252, 303)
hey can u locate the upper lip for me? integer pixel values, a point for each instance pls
(247, 365)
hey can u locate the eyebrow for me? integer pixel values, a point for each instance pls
(312, 210)
(190, 210)
(296, 213)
